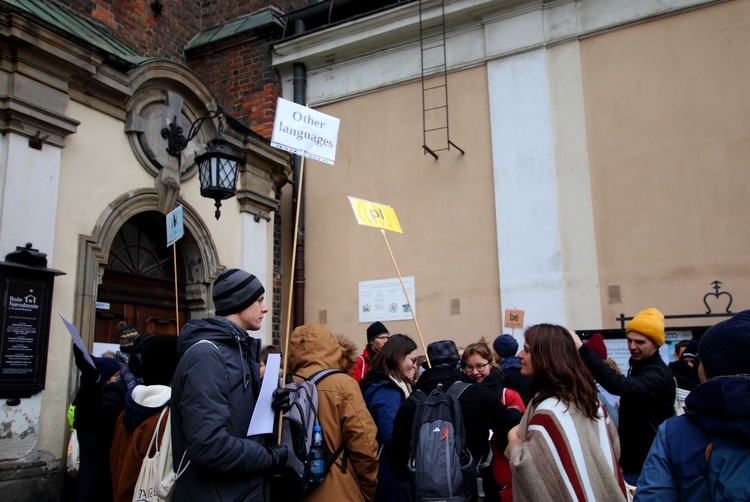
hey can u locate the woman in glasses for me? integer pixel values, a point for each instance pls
(386, 386)
(479, 365)
(565, 447)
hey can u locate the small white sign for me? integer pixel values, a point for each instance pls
(384, 300)
(175, 228)
(305, 131)
(102, 305)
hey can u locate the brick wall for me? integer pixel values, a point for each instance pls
(241, 76)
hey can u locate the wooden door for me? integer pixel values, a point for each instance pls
(138, 285)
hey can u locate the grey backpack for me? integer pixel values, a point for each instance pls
(440, 464)
(296, 434)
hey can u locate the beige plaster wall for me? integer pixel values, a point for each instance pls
(668, 116)
(98, 166)
(445, 208)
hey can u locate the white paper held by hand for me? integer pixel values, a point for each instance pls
(262, 420)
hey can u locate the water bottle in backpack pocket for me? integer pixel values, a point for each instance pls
(310, 458)
(440, 464)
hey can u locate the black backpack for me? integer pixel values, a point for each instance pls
(440, 464)
(296, 434)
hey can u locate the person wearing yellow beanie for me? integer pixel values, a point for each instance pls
(649, 323)
(646, 393)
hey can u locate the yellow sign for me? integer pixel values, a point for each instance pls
(513, 318)
(376, 215)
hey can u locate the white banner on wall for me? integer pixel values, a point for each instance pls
(384, 300)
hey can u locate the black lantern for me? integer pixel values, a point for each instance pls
(217, 166)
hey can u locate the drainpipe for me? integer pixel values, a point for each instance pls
(300, 88)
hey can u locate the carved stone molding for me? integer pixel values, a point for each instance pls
(197, 247)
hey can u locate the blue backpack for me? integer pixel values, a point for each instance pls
(728, 463)
(440, 464)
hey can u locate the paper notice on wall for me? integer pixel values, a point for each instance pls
(384, 300)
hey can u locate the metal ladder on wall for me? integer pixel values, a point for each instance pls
(435, 122)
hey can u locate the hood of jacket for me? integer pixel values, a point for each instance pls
(221, 331)
(721, 406)
(205, 329)
(312, 348)
(142, 402)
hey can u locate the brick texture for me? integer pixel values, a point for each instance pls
(241, 76)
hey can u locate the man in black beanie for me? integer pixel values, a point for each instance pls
(377, 335)
(706, 452)
(215, 388)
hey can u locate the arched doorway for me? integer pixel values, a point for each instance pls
(138, 281)
(197, 258)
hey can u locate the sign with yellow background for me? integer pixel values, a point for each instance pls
(376, 215)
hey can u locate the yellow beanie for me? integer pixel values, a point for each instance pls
(649, 323)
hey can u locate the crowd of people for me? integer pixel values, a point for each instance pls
(554, 419)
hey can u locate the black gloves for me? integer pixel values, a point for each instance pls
(279, 456)
(280, 401)
(89, 374)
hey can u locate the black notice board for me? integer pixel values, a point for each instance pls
(24, 339)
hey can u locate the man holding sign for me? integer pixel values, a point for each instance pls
(214, 393)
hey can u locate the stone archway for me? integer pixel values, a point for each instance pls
(198, 253)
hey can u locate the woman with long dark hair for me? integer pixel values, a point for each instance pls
(566, 447)
(480, 366)
(386, 386)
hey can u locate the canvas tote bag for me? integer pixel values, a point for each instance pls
(149, 478)
(165, 468)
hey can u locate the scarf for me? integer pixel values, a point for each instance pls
(405, 388)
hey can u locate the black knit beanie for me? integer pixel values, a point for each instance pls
(235, 290)
(724, 347)
(375, 329)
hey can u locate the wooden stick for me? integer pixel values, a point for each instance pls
(176, 298)
(411, 309)
(291, 285)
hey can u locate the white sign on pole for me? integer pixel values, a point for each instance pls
(384, 300)
(305, 131)
(175, 228)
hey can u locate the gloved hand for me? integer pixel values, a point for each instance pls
(279, 457)
(89, 373)
(280, 400)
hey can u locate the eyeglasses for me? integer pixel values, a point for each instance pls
(479, 367)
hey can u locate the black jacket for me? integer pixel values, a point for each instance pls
(646, 400)
(481, 411)
(214, 392)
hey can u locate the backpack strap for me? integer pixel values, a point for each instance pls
(458, 388)
(316, 378)
(417, 397)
